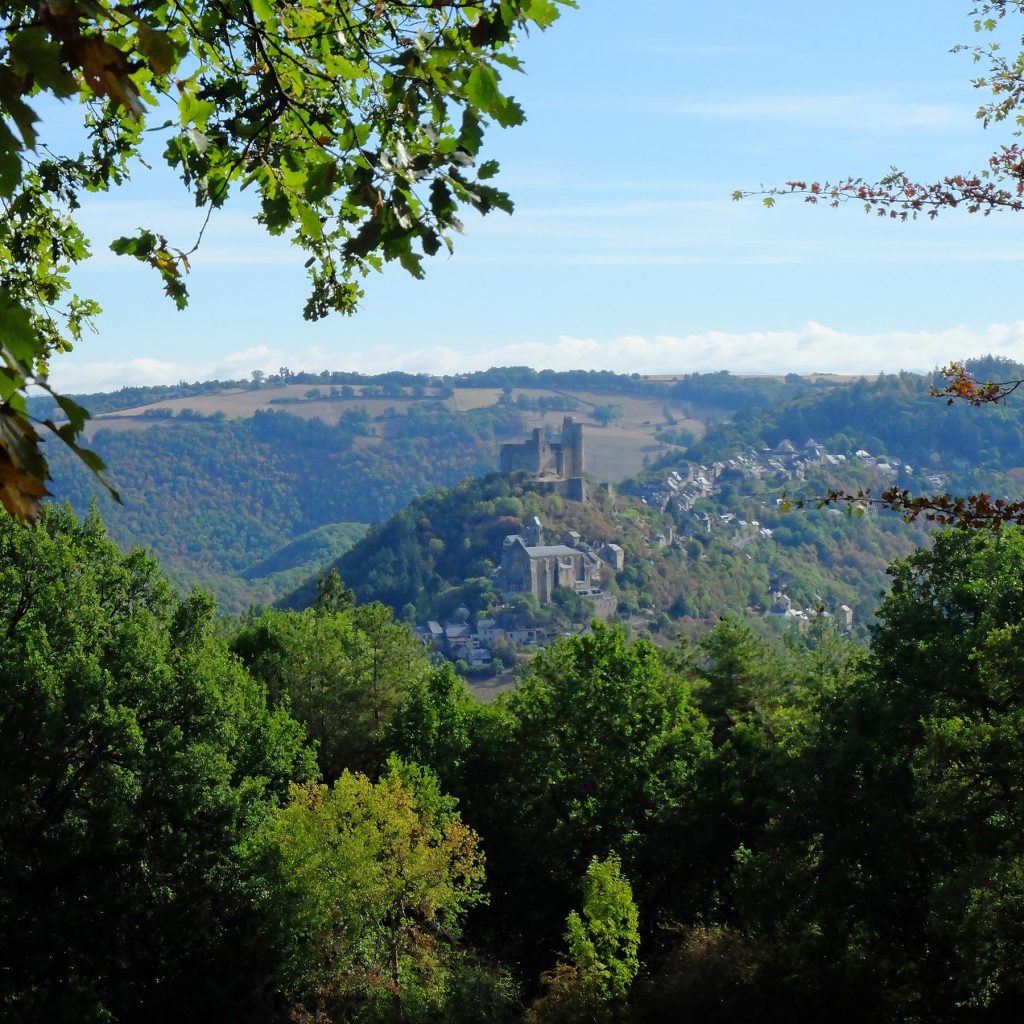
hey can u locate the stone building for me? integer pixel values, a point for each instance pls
(530, 566)
(613, 555)
(556, 465)
(538, 570)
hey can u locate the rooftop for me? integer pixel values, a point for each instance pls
(550, 550)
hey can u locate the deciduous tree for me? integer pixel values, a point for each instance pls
(382, 873)
(358, 125)
(603, 943)
(341, 673)
(140, 763)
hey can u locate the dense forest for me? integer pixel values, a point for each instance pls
(890, 414)
(230, 504)
(294, 815)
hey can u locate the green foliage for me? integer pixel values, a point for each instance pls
(341, 673)
(382, 874)
(604, 940)
(607, 414)
(724, 393)
(299, 482)
(892, 414)
(603, 944)
(886, 883)
(593, 754)
(358, 127)
(577, 607)
(436, 724)
(140, 764)
(809, 830)
(293, 563)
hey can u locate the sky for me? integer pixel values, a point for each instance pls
(625, 251)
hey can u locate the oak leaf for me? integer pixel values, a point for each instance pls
(22, 467)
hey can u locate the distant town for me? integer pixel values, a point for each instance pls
(535, 564)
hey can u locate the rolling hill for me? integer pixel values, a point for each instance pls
(222, 479)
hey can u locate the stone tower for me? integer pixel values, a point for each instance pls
(572, 448)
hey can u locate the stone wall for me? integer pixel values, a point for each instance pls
(556, 466)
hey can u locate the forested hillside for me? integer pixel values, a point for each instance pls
(251, 499)
(295, 817)
(440, 552)
(231, 483)
(893, 414)
(227, 502)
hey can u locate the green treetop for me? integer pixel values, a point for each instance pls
(140, 765)
(356, 123)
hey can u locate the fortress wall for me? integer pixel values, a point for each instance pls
(537, 457)
(528, 456)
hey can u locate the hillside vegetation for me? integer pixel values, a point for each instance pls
(237, 497)
(230, 483)
(439, 553)
(295, 816)
(239, 506)
(893, 415)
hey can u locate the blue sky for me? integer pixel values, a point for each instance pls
(625, 251)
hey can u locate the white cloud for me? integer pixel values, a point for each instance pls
(811, 348)
(71, 376)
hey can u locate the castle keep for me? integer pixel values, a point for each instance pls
(556, 465)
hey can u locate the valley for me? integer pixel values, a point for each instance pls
(254, 490)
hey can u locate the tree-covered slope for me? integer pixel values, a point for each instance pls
(439, 553)
(752, 830)
(892, 415)
(216, 499)
(220, 478)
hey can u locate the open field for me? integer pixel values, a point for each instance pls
(241, 404)
(474, 398)
(614, 452)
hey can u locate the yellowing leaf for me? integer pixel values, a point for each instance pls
(158, 48)
(23, 469)
(106, 72)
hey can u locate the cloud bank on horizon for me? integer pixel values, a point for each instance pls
(814, 348)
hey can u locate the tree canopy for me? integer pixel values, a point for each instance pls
(752, 831)
(141, 763)
(358, 124)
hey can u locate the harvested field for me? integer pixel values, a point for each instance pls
(613, 452)
(474, 398)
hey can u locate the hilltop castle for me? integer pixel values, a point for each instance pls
(554, 465)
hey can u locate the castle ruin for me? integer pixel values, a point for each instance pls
(553, 465)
